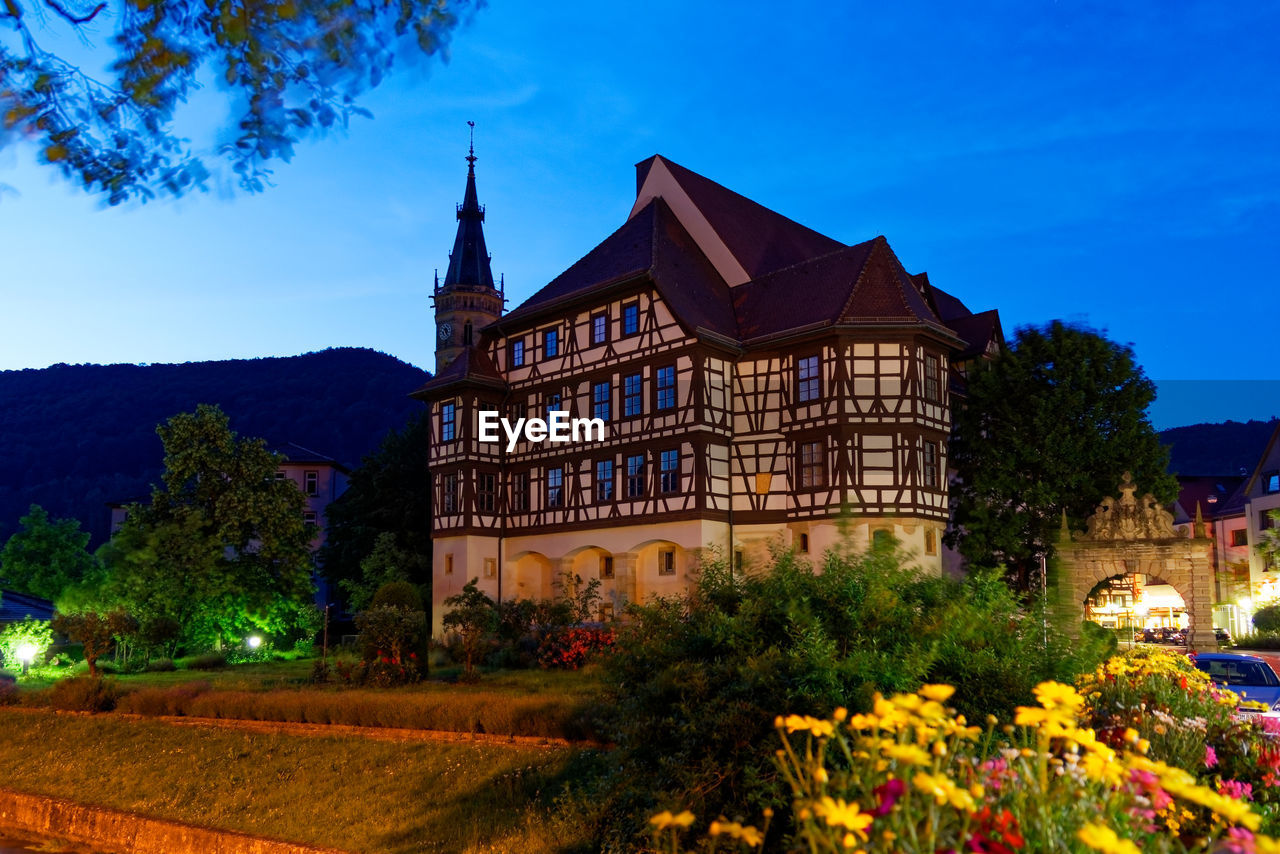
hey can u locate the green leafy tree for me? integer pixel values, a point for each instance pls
(1267, 619)
(46, 556)
(222, 549)
(384, 565)
(472, 616)
(1269, 544)
(1050, 424)
(389, 494)
(97, 632)
(293, 68)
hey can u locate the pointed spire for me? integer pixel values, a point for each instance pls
(469, 261)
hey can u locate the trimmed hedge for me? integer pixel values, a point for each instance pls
(489, 712)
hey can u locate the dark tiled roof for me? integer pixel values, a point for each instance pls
(626, 253)
(1212, 494)
(976, 331)
(15, 606)
(472, 365)
(295, 453)
(762, 240)
(944, 304)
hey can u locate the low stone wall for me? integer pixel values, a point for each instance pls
(126, 833)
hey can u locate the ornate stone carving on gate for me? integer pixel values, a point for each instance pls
(1130, 519)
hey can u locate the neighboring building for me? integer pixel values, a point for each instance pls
(761, 384)
(15, 607)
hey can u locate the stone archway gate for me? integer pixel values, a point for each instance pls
(1131, 535)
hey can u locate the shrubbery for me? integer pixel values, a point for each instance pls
(696, 681)
(1267, 620)
(82, 694)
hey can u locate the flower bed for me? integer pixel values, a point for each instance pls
(1134, 761)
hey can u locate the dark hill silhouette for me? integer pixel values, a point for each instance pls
(73, 437)
(1229, 448)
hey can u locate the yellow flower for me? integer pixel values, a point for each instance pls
(937, 693)
(743, 833)
(943, 790)
(822, 729)
(839, 813)
(908, 753)
(1053, 695)
(665, 819)
(1099, 837)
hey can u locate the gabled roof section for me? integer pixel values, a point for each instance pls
(885, 293)
(1211, 493)
(1268, 462)
(295, 453)
(652, 244)
(977, 331)
(472, 367)
(742, 239)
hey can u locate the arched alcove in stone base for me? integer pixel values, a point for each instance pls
(1132, 536)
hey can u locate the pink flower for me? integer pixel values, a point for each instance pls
(1236, 789)
(1210, 756)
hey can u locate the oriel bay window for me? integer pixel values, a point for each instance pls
(632, 395)
(448, 422)
(665, 382)
(930, 461)
(812, 466)
(450, 490)
(555, 487)
(808, 379)
(669, 471)
(486, 492)
(600, 396)
(604, 480)
(520, 491)
(635, 476)
(932, 380)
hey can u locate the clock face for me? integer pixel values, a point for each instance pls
(446, 331)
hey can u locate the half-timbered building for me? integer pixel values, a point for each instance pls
(762, 385)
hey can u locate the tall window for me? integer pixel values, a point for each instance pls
(448, 422)
(631, 318)
(553, 404)
(550, 343)
(932, 383)
(451, 493)
(665, 379)
(809, 382)
(600, 394)
(599, 328)
(604, 480)
(311, 480)
(812, 470)
(486, 492)
(517, 353)
(931, 465)
(632, 395)
(520, 491)
(606, 566)
(635, 476)
(555, 487)
(466, 334)
(669, 471)
(1272, 481)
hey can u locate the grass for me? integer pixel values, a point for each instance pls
(349, 793)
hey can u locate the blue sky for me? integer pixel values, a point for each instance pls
(1112, 166)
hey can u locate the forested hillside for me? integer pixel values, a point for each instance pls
(74, 437)
(1232, 447)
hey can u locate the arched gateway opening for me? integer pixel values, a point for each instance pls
(1132, 537)
(1136, 603)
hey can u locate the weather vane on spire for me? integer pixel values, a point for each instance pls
(471, 152)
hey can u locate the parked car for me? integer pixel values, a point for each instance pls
(1221, 635)
(1247, 675)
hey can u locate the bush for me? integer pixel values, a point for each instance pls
(8, 690)
(397, 594)
(1267, 619)
(695, 682)
(389, 635)
(208, 661)
(161, 665)
(574, 647)
(83, 694)
(161, 701)
(1258, 640)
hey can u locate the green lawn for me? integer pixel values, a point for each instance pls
(350, 793)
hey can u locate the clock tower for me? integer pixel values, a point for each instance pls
(467, 301)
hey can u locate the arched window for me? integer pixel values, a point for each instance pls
(466, 334)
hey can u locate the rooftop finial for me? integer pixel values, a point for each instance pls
(471, 152)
